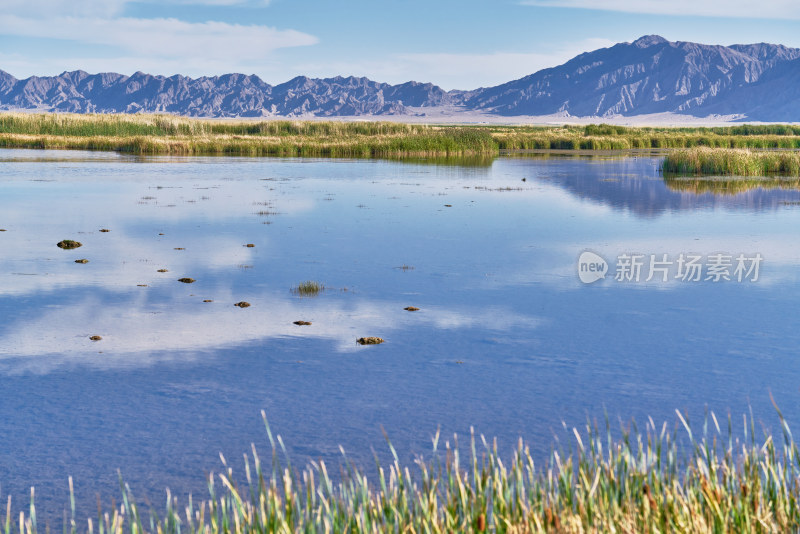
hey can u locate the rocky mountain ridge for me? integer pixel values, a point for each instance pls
(649, 75)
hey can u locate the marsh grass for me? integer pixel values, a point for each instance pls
(308, 288)
(732, 162)
(165, 134)
(596, 137)
(658, 479)
(447, 145)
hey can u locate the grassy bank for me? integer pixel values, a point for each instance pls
(609, 137)
(168, 134)
(732, 162)
(641, 482)
(163, 134)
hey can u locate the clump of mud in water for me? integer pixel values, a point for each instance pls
(370, 340)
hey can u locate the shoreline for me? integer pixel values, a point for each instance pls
(171, 135)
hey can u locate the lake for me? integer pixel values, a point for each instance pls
(508, 338)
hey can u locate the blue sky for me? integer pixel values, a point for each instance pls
(456, 44)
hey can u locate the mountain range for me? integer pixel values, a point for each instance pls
(650, 75)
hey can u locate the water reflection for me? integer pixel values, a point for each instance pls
(637, 186)
(176, 325)
(506, 339)
(724, 185)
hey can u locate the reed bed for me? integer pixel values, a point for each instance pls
(655, 480)
(607, 137)
(732, 162)
(169, 134)
(165, 134)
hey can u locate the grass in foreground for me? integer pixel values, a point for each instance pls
(735, 162)
(641, 482)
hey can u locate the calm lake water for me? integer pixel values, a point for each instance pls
(507, 339)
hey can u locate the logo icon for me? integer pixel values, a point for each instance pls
(591, 267)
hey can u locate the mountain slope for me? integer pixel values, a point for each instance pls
(231, 95)
(651, 75)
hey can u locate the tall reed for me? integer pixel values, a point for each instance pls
(169, 134)
(660, 479)
(732, 162)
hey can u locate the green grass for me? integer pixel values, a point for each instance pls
(168, 134)
(164, 134)
(308, 288)
(732, 162)
(608, 137)
(659, 479)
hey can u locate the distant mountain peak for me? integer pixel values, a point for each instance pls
(647, 77)
(647, 41)
(651, 75)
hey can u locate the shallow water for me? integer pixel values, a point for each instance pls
(507, 338)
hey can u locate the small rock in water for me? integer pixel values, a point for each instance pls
(163, 270)
(302, 323)
(104, 230)
(242, 304)
(179, 248)
(208, 300)
(68, 244)
(369, 340)
(84, 260)
(411, 308)
(95, 338)
(2, 229)
(141, 285)
(187, 280)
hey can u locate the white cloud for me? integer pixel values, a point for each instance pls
(769, 9)
(101, 8)
(159, 56)
(55, 8)
(127, 44)
(218, 2)
(162, 38)
(455, 71)
(494, 68)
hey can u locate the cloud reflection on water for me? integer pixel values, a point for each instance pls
(137, 332)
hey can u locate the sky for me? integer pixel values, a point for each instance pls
(457, 44)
